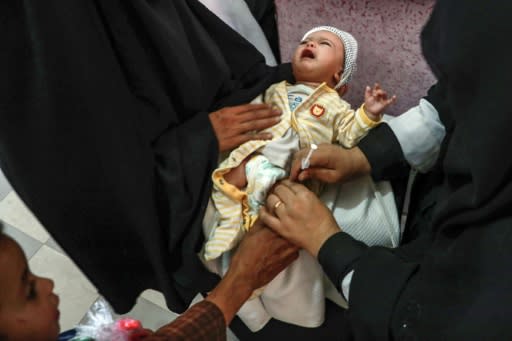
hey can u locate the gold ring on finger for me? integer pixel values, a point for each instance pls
(277, 204)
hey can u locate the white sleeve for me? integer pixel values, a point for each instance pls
(420, 133)
(345, 284)
(236, 14)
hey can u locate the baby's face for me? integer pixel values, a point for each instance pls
(28, 306)
(319, 58)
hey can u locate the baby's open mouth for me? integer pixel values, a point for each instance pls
(307, 54)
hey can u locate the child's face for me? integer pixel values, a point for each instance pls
(319, 58)
(28, 306)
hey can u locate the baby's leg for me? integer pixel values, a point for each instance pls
(238, 211)
(236, 176)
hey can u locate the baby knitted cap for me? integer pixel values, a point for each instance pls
(350, 45)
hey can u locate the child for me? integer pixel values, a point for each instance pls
(28, 306)
(312, 113)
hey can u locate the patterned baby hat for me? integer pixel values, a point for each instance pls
(350, 45)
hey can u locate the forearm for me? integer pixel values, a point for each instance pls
(201, 322)
(379, 276)
(338, 254)
(384, 154)
(359, 163)
(353, 164)
(208, 319)
(230, 295)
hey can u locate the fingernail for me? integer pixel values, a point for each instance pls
(268, 135)
(277, 119)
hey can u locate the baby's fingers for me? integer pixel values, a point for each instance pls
(380, 94)
(391, 100)
(376, 87)
(368, 92)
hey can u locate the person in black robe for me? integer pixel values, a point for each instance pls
(450, 280)
(111, 122)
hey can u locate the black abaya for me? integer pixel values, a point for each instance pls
(453, 281)
(104, 131)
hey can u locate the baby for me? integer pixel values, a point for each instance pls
(312, 113)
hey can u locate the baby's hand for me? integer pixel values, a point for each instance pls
(375, 101)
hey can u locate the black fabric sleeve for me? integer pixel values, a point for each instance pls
(384, 154)
(105, 134)
(338, 254)
(380, 275)
(382, 148)
(379, 278)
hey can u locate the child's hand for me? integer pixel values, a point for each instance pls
(375, 101)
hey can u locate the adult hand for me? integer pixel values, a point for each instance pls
(298, 215)
(236, 125)
(260, 257)
(330, 163)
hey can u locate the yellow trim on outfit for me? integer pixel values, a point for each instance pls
(338, 123)
(367, 118)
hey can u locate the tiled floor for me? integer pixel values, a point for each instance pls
(47, 259)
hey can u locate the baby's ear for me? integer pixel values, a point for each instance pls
(337, 77)
(343, 90)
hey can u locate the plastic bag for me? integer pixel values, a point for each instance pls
(100, 324)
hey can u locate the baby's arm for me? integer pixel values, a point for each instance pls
(376, 101)
(352, 126)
